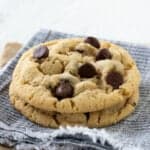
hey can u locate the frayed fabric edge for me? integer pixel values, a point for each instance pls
(76, 136)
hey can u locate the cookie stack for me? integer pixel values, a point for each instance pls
(75, 82)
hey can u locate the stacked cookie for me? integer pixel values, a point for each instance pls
(75, 82)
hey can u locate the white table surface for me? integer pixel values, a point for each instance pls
(125, 20)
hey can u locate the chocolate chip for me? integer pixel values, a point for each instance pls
(41, 52)
(93, 41)
(115, 79)
(80, 50)
(103, 54)
(87, 70)
(87, 115)
(64, 89)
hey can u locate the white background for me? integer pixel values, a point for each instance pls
(125, 20)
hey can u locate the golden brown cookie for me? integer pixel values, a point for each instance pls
(93, 119)
(75, 76)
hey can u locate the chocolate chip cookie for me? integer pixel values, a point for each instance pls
(93, 119)
(75, 75)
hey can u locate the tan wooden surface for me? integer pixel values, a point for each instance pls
(5, 148)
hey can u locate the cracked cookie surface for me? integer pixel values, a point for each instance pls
(75, 76)
(93, 119)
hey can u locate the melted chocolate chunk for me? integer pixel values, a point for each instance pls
(103, 54)
(87, 70)
(41, 52)
(92, 41)
(80, 51)
(64, 89)
(87, 115)
(115, 79)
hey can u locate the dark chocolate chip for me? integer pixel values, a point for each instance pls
(64, 89)
(41, 52)
(87, 115)
(103, 54)
(80, 50)
(93, 41)
(115, 79)
(87, 70)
